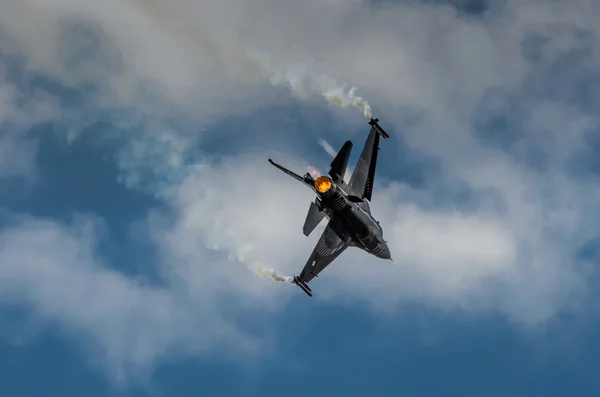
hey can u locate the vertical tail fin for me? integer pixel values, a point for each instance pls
(340, 162)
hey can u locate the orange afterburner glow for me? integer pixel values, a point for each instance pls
(323, 184)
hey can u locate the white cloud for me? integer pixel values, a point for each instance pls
(426, 71)
(54, 269)
(475, 261)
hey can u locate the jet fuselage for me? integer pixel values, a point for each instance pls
(350, 220)
(346, 205)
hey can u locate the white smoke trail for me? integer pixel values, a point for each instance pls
(338, 97)
(303, 79)
(327, 147)
(271, 274)
(248, 254)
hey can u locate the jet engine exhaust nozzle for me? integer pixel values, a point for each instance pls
(323, 184)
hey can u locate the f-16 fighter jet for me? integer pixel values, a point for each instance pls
(346, 206)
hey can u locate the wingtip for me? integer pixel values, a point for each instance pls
(300, 283)
(375, 124)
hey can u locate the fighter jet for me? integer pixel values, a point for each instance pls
(345, 205)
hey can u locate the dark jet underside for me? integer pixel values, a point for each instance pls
(335, 239)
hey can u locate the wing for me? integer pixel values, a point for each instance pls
(306, 180)
(363, 177)
(329, 247)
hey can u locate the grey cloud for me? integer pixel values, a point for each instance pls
(428, 72)
(127, 325)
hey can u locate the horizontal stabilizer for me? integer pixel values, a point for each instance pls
(313, 218)
(340, 162)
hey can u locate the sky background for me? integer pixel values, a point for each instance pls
(136, 200)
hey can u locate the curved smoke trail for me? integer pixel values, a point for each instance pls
(299, 76)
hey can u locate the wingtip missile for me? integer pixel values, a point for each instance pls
(300, 283)
(375, 124)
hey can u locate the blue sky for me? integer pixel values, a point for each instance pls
(136, 202)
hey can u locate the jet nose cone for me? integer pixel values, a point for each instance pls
(385, 252)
